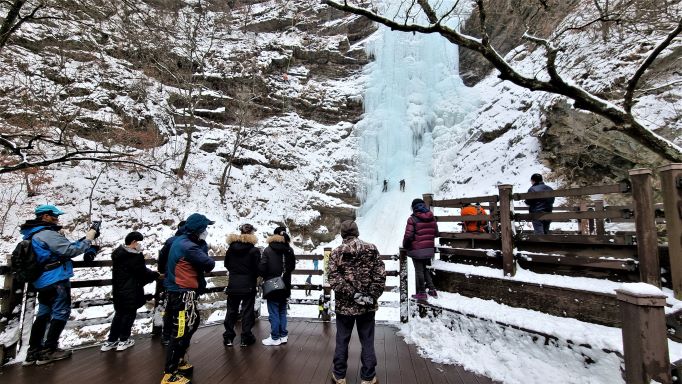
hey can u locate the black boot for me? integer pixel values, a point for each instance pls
(51, 353)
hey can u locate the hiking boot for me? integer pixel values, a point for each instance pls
(31, 357)
(433, 293)
(284, 339)
(270, 342)
(371, 381)
(165, 342)
(176, 378)
(185, 368)
(420, 296)
(123, 345)
(228, 342)
(247, 342)
(338, 381)
(49, 355)
(108, 346)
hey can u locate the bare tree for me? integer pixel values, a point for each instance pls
(193, 32)
(408, 18)
(244, 115)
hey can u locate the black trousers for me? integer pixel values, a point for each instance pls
(344, 329)
(183, 310)
(422, 275)
(121, 325)
(247, 313)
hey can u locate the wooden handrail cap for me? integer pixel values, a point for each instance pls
(640, 171)
(641, 294)
(670, 167)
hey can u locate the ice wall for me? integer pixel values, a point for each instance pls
(412, 87)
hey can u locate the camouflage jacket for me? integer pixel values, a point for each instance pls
(355, 267)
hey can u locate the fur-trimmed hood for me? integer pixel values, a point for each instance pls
(276, 239)
(242, 238)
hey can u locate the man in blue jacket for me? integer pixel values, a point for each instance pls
(54, 252)
(188, 260)
(540, 227)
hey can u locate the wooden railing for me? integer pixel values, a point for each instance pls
(17, 303)
(590, 251)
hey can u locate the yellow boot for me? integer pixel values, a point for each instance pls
(175, 378)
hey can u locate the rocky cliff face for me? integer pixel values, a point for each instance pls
(573, 147)
(288, 74)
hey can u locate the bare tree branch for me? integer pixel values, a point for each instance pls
(632, 84)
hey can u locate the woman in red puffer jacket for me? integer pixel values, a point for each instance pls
(419, 240)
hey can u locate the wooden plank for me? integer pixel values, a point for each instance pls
(577, 239)
(577, 249)
(594, 307)
(456, 203)
(472, 243)
(582, 191)
(454, 219)
(466, 252)
(468, 235)
(565, 216)
(578, 261)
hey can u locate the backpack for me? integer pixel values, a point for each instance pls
(25, 265)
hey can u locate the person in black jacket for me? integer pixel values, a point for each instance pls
(161, 267)
(241, 262)
(129, 277)
(278, 260)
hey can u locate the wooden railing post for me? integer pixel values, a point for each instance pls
(506, 230)
(599, 223)
(428, 199)
(645, 341)
(10, 315)
(326, 288)
(647, 237)
(584, 223)
(671, 183)
(404, 315)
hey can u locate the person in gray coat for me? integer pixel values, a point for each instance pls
(540, 227)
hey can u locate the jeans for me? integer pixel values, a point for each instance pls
(183, 311)
(541, 227)
(121, 325)
(422, 275)
(277, 314)
(54, 308)
(248, 316)
(344, 330)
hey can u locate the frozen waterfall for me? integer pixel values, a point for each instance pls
(412, 87)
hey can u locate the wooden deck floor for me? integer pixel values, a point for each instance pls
(306, 359)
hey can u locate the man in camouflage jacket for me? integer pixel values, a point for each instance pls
(357, 275)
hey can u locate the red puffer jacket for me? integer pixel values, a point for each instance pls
(420, 233)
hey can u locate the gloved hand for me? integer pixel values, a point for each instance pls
(91, 234)
(363, 299)
(90, 253)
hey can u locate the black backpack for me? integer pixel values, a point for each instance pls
(25, 265)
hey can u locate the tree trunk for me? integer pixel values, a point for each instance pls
(10, 20)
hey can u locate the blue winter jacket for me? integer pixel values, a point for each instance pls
(51, 246)
(188, 260)
(540, 205)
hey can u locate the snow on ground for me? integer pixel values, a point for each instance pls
(470, 336)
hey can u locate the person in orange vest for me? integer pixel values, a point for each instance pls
(474, 226)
